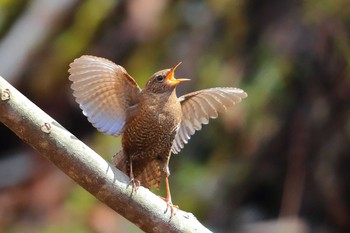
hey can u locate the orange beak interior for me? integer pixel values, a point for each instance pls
(171, 76)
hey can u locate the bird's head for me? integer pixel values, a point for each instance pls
(163, 81)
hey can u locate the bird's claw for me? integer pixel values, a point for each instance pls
(169, 205)
(134, 183)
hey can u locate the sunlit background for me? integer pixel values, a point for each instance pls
(277, 162)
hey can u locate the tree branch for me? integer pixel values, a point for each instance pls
(87, 168)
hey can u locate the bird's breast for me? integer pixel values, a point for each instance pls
(151, 132)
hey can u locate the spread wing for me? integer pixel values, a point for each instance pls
(104, 91)
(198, 107)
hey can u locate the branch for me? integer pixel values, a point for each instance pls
(87, 168)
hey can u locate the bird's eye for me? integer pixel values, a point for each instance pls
(160, 78)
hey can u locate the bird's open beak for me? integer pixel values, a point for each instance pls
(170, 78)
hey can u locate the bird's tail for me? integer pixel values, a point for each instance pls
(120, 161)
(149, 175)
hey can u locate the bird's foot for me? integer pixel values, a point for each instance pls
(134, 183)
(169, 205)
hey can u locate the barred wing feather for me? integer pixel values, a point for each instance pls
(198, 107)
(104, 91)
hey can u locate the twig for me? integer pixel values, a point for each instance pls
(87, 168)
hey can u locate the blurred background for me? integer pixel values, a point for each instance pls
(277, 162)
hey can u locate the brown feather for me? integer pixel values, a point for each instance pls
(152, 121)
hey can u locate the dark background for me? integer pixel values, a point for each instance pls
(277, 162)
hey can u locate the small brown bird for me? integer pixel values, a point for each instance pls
(153, 121)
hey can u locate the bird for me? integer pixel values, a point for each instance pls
(153, 122)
